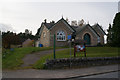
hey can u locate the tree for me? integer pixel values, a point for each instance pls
(115, 31)
(38, 31)
(109, 35)
(74, 23)
(81, 22)
(9, 39)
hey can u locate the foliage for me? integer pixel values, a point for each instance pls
(24, 36)
(91, 52)
(113, 36)
(109, 35)
(10, 38)
(99, 45)
(38, 31)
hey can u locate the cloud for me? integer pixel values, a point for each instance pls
(6, 27)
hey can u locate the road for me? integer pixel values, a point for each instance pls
(114, 74)
(60, 73)
(105, 75)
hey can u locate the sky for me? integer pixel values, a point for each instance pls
(18, 15)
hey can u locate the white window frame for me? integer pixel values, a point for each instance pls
(60, 36)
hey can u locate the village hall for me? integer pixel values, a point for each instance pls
(92, 35)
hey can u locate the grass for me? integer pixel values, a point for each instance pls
(91, 52)
(13, 59)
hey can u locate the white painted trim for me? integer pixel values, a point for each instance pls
(61, 40)
(60, 35)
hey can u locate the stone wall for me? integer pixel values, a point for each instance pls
(80, 62)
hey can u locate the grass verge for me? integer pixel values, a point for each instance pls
(13, 59)
(91, 52)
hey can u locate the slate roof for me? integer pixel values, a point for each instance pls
(97, 25)
(49, 25)
(80, 28)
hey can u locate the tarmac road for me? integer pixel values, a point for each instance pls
(61, 73)
(105, 75)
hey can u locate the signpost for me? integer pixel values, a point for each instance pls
(79, 46)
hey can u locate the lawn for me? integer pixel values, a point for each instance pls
(13, 59)
(91, 52)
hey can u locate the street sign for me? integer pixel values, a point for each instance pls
(79, 48)
(69, 37)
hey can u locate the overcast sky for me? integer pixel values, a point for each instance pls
(20, 15)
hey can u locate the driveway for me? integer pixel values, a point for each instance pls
(33, 57)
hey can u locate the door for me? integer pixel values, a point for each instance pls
(87, 39)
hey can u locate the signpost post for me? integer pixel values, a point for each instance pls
(54, 47)
(69, 40)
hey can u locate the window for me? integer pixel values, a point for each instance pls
(98, 39)
(61, 36)
(44, 34)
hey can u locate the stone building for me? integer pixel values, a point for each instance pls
(91, 34)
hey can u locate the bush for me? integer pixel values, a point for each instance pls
(99, 45)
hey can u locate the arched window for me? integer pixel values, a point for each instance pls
(61, 36)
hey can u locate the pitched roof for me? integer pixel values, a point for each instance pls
(75, 29)
(68, 24)
(80, 28)
(51, 25)
(48, 26)
(97, 25)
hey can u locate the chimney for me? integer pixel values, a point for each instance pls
(52, 22)
(45, 20)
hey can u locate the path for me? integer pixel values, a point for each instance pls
(32, 58)
(61, 73)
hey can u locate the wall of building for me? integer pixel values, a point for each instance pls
(55, 29)
(101, 35)
(93, 37)
(45, 37)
